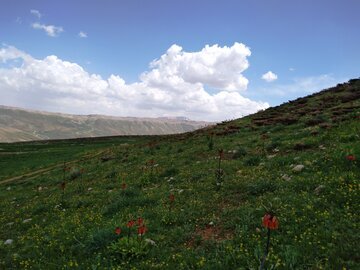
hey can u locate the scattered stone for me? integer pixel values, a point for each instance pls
(258, 230)
(10, 224)
(8, 242)
(211, 223)
(27, 220)
(298, 168)
(322, 147)
(271, 156)
(110, 190)
(150, 241)
(296, 158)
(286, 177)
(276, 150)
(181, 191)
(40, 188)
(8, 188)
(89, 189)
(319, 189)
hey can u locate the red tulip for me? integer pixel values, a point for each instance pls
(142, 230)
(151, 162)
(221, 154)
(130, 223)
(63, 184)
(123, 186)
(118, 230)
(351, 157)
(271, 222)
(172, 198)
(140, 221)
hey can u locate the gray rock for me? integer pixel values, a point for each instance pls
(286, 177)
(8, 242)
(298, 168)
(319, 189)
(27, 220)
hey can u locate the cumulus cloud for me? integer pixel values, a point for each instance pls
(36, 13)
(175, 85)
(50, 30)
(269, 76)
(217, 67)
(82, 34)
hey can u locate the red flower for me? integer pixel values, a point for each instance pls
(151, 162)
(130, 223)
(63, 184)
(123, 186)
(118, 230)
(271, 222)
(142, 230)
(221, 154)
(351, 157)
(172, 197)
(140, 221)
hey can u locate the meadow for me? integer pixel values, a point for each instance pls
(194, 200)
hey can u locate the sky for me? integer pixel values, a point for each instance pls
(204, 60)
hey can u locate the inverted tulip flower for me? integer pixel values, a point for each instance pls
(172, 200)
(350, 157)
(142, 230)
(270, 222)
(140, 221)
(117, 230)
(123, 186)
(130, 224)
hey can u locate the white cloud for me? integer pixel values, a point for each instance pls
(269, 76)
(217, 67)
(36, 13)
(82, 34)
(50, 30)
(175, 85)
(292, 69)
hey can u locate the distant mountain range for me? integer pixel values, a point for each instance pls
(18, 124)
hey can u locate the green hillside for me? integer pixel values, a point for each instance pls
(299, 161)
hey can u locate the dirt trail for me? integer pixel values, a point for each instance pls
(44, 170)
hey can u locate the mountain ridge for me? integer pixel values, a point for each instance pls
(18, 124)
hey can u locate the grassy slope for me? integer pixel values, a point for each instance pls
(317, 207)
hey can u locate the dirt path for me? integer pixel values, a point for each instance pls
(45, 170)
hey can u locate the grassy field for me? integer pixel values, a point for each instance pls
(299, 161)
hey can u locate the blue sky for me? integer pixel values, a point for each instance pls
(307, 46)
